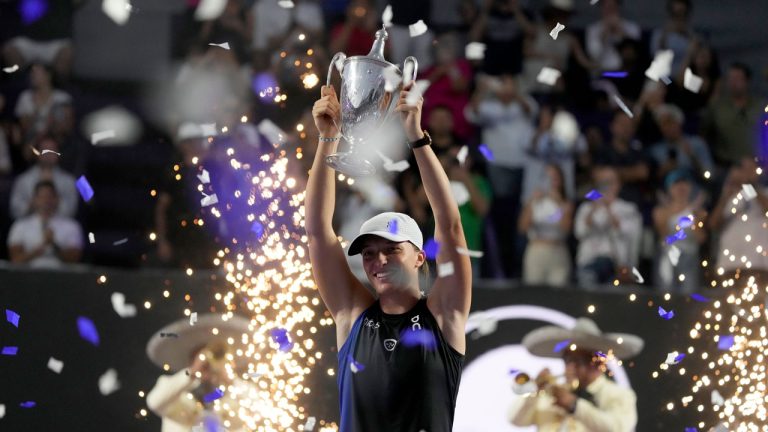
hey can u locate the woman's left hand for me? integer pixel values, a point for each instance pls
(410, 115)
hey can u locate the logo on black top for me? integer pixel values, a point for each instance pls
(389, 344)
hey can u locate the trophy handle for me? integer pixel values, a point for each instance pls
(338, 57)
(410, 59)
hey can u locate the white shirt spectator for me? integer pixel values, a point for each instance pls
(24, 189)
(29, 233)
(26, 106)
(735, 230)
(507, 129)
(601, 239)
(601, 46)
(272, 20)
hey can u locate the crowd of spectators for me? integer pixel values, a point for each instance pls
(557, 183)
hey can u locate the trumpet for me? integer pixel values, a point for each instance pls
(524, 384)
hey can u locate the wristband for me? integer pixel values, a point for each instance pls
(425, 141)
(328, 139)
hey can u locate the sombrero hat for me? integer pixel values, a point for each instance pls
(585, 335)
(175, 343)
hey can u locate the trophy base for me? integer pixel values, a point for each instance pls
(350, 164)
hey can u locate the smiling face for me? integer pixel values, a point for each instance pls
(391, 265)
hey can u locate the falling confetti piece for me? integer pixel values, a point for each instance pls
(117, 10)
(85, 189)
(691, 429)
(97, 137)
(413, 338)
(269, 129)
(108, 382)
(679, 358)
(593, 195)
(192, 318)
(486, 152)
(417, 29)
(461, 156)
(28, 404)
(257, 228)
(88, 330)
(120, 242)
(692, 82)
(386, 16)
(12, 317)
(46, 151)
(677, 236)
(354, 366)
(431, 248)
(623, 106)
(674, 255)
(280, 336)
(725, 342)
(212, 396)
(556, 31)
(91, 238)
(667, 315)
(561, 345)
(224, 45)
(209, 200)
(673, 358)
(548, 76)
(699, 298)
(685, 221)
(748, 191)
(11, 69)
(55, 365)
(661, 65)
(474, 51)
(615, 74)
(121, 308)
(601, 354)
(309, 425)
(2, 411)
(10, 350)
(638, 277)
(445, 269)
(717, 398)
(204, 177)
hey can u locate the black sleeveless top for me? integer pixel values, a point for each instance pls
(400, 387)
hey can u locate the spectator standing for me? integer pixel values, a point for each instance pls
(603, 36)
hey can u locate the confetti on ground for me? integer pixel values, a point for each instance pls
(486, 152)
(417, 29)
(55, 365)
(85, 189)
(88, 330)
(692, 82)
(204, 177)
(474, 51)
(108, 382)
(12, 317)
(386, 16)
(97, 137)
(700, 298)
(638, 277)
(556, 31)
(548, 76)
(10, 350)
(28, 404)
(445, 269)
(11, 69)
(121, 308)
(561, 345)
(117, 10)
(354, 366)
(224, 45)
(419, 337)
(748, 191)
(667, 315)
(469, 253)
(431, 248)
(280, 336)
(674, 255)
(192, 318)
(615, 74)
(212, 396)
(120, 242)
(623, 106)
(593, 195)
(661, 65)
(725, 342)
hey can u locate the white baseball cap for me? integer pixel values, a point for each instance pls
(397, 227)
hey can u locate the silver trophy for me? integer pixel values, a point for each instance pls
(369, 88)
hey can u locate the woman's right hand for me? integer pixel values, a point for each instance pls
(327, 112)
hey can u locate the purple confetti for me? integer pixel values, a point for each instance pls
(392, 226)
(86, 191)
(725, 342)
(211, 423)
(280, 336)
(88, 330)
(685, 222)
(258, 228)
(412, 338)
(700, 298)
(212, 396)
(616, 74)
(32, 10)
(593, 195)
(354, 366)
(679, 358)
(10, 350)
(431, 248)
(514, 371)
(487, 153)
(601, 354)
(561, 345)
(691, 429)
(28, 404)
(677, 236)
(667, 315)
(12, 317)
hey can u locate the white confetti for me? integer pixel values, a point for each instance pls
(224, 45)
(271, 131)
(117, 10)
(416, 91)
(399, 166)
(119, 242)
(717, 398)
(461, 156)
(209, 10)
(11, 69)
(445, 269)
(108, 382)
(91, 238)
(674, 255)
(638, 277)
(623, 106)
(309, 425)
(49, 151)
(748, 191)
(661, 65)
(204, 177)
(285, 4)
(548, 76)
(97, 137)
(209, 129)
(2, 411)
(35, 151)
(417, 29)
(470, 253)
(556, 31)
(392, 78)
(353, 367)
(671, 358)
(121, 308)
(192, 318)
(692, 82)
(474, 51)
(209, 200)
(55, 365)
(386, 16)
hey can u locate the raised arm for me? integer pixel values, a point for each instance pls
(450, 296)
(343, 295)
